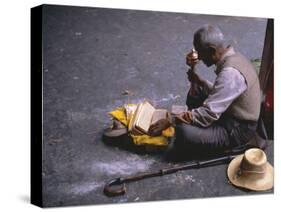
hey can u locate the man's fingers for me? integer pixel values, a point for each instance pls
(185, 116)
(181, 114)
(179, 117)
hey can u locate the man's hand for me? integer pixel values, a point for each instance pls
(191, 61)
(157, 128)
(185, 117)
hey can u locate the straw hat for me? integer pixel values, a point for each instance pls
(251, 171)
(116, 130)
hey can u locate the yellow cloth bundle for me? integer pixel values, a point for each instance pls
(120, 114)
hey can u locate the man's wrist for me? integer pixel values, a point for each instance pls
(188, 117)
(171, 120)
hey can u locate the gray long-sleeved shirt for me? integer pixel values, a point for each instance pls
(229, 84)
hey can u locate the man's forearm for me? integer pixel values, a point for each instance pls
(207, 85)
(229, 85)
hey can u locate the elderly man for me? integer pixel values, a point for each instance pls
(225, 114)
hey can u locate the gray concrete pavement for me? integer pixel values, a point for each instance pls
(90, 56)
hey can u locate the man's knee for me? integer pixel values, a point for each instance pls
(185, 134)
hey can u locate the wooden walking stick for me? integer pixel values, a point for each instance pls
(117, 186)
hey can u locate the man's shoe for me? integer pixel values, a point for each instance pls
(255, 142)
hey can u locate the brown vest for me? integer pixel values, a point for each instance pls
(247, 105)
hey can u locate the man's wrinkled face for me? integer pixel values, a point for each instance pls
(204, 54)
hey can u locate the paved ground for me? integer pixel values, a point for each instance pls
(90, 57)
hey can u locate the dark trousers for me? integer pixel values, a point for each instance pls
(224, 134)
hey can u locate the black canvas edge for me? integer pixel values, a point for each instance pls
(36, 106)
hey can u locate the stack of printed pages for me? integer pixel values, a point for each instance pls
(143, 116)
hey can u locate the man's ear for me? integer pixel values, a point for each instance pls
(212, 50)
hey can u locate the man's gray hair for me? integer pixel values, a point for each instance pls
(209, 36)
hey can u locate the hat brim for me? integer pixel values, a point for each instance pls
(114, 133)
(265, 183)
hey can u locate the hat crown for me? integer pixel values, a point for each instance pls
(253, 163)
